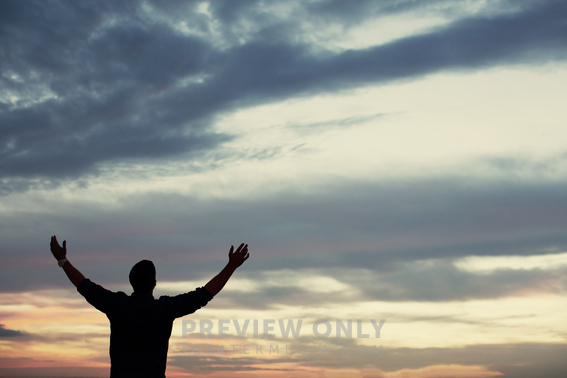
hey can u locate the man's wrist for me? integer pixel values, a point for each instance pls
(62, 261)
(232, 265)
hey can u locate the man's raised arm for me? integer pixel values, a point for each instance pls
(235, 259)
(60, 254)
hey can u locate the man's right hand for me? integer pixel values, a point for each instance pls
(58, 252)
(237, 258)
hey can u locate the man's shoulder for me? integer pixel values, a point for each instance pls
(199, 293)
(186, 303)
(102, 299)
(88, 285)
(167, 298)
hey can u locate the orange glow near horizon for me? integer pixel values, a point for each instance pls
(65, 334)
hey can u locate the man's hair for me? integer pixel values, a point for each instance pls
(143, 276)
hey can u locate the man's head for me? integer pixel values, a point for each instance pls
(143, 276)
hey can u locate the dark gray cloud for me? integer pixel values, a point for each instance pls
(100, 82)
(343, 10)
(104, 80)
(9, 332)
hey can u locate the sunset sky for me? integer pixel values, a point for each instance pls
(391, 159)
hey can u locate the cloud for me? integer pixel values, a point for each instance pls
(535, 357)
(213, 363)
(439, 281)
(88, 84)
(100, 83)
(8, 332)
(430, 281)
(37, 368)
(521, 360)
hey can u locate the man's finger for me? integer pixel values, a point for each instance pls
(64, 244)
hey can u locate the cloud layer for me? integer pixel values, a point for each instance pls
(87, 84)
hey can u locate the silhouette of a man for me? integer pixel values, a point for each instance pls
(140, 325)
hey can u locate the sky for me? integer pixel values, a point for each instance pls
(392, 159)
